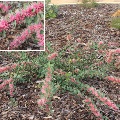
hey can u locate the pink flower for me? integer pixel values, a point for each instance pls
(113, 79)
(19, 18)
(52, 56)
(40, 37)
(11, 18)
(38, 7)
(73, 80)
(109, 56)
(11, 87)
(41, 101)
(100, 43)
(28, 12)
(3, 69)
(5, 8)
(19, 40)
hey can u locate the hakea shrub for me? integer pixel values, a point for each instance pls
(27, 33)
(66, 70)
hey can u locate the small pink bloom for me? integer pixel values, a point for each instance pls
(100, 43)
(52, 56)
(113, 79)
(5, 8)
(41, 101)
(11, 18)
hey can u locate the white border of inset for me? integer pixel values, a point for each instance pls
(44, 27)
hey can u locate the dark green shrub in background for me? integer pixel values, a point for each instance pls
(116, 22)
(51, 11)
(89, 3)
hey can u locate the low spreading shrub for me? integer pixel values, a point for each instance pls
(65, 70)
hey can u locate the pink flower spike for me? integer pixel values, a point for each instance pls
(5, 82)
(109, 103)
(3, 69)
(93, 109)
(11, 18)
(11, 87)
(52, 56)
(113, 79)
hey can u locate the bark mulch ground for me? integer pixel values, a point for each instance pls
(82, 23)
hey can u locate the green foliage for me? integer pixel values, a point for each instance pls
(51, 11)
(89, 3)
(115, 22)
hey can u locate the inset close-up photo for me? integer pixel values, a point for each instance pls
(22, 25)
